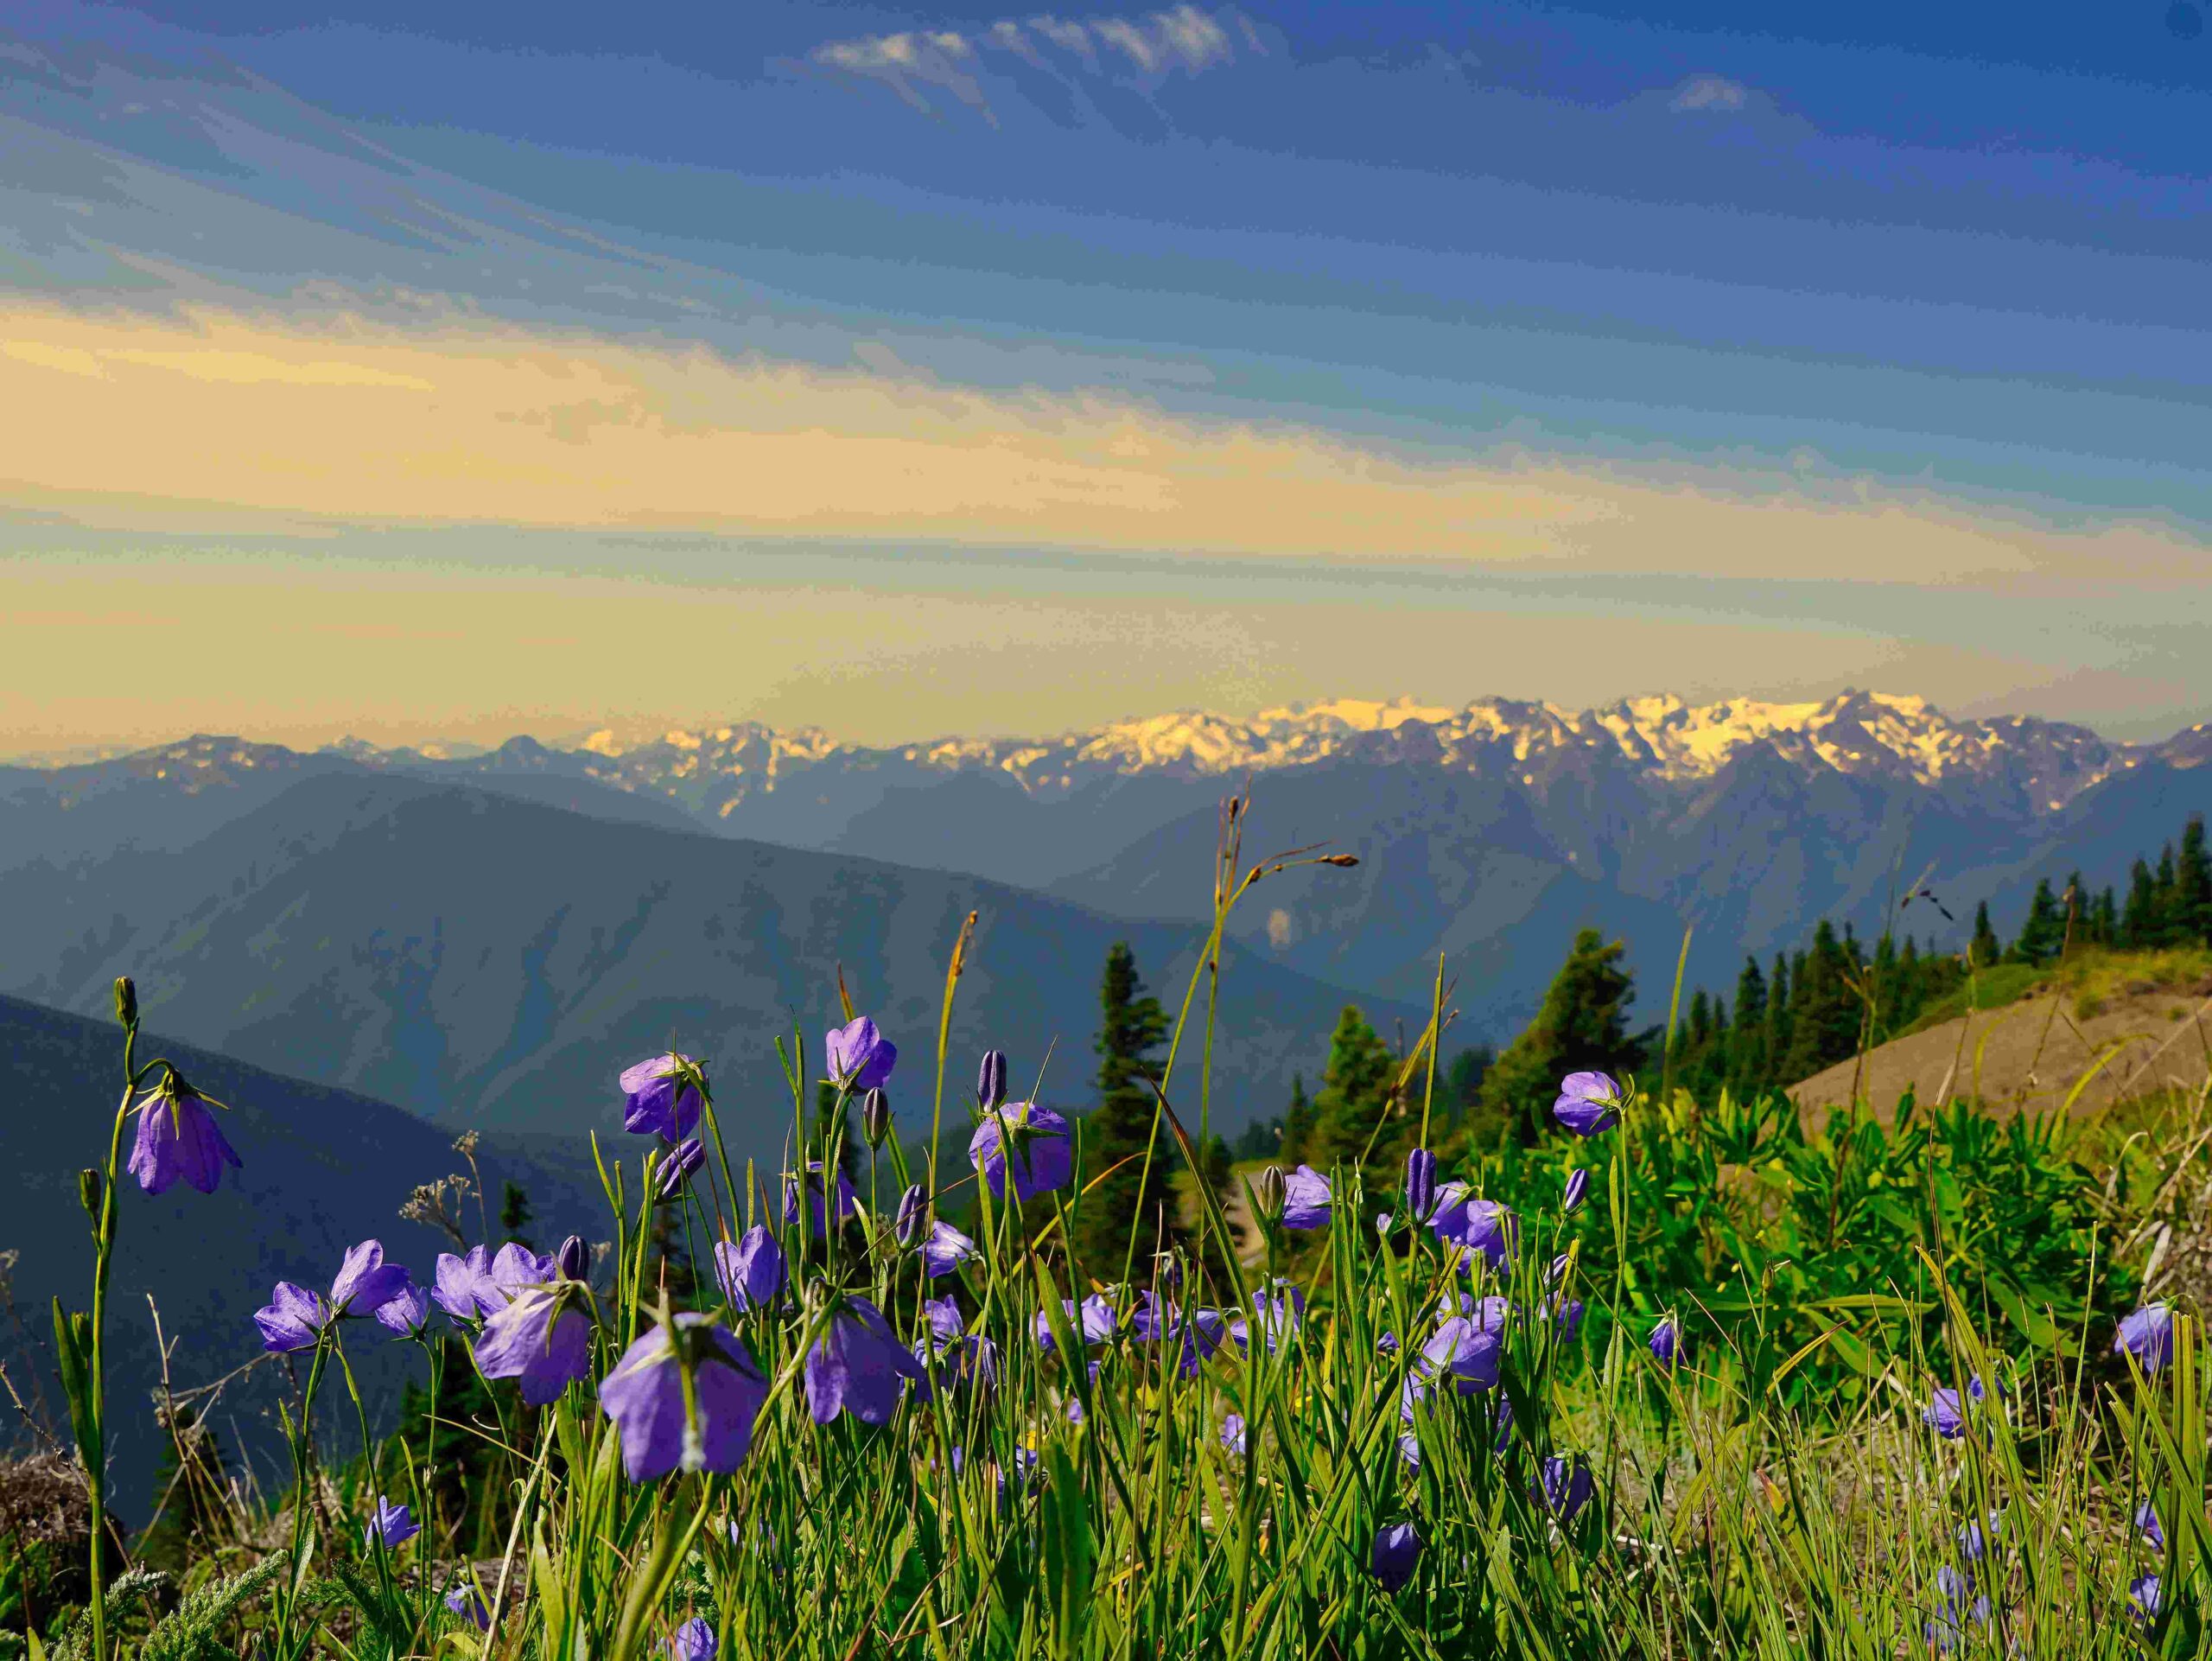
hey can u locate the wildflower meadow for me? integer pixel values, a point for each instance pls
(1678, 1378)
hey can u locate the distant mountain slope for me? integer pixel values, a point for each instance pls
(323, 1169)
(483, 961)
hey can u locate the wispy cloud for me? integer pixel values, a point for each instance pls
(458, 419)
(1144, 47)
(1710, 95)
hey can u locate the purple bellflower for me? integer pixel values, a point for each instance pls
(408, 1314)
(1232, 1433)
(1397, 1548)
(178, 1140)
(1487, 1226)
(1280, 1309)
(945, 1249)
(661, 1097)
(1589, 1103)
(464, 1288)
(2146, 1519)
(1564, 1488)
(857, 1365)
(693, 1641)
(817, 1208)
(295, 1318)
(2148, 1335)
(1959, 1605)
(643, 1395)
(1092, 1321)
(463, 1600)
(1043, 1157)
(1946, 1414)
(1306, 1199)
(858, 1056)
(2143, 1596)
(1666, 1342)
(1465, 1351)
(750, 1270)
(390, 1523)
(541, 1339)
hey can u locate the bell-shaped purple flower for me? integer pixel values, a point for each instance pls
(464, 1288)
(990, 1080)
(1306, 1199)
(1973, 1539)
(292, 1320)
(857, 1365)
(1397, 1548)
(944, 1317)
(1487, 1226)
(643, 1395)
(1421, 1184)
(961, 1358)
(945, 1249)
(408, 1314)
(913, 1205)
(365, 1282)
(1198, 1335)
(1567, 1311)
(1465, 1352)
(1588, 1103)
(390, 1523)
(1280, 1309)
(693, 1641)
(1565, 1487)
(1092, 1321)
(660, 1098)
(1946, 1414)
(1044, 1158)
(2147, 1520)
(178, 1140)
(463, 1600)
(858, 1056)
(1666, 1342)
(817, 1208)
(1232, 1433)
(2142, 1597)
(1957, 1608)
(516, 1266)
(2148, 1335)
(541, 1339)
(677, 1168)
(1409, 1450)
(750, 1270)
(1578, 1187)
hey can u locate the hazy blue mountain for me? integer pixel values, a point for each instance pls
(324, 1169)
(483, 961)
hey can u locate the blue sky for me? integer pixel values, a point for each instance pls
(1779, 352)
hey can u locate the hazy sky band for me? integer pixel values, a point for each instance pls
(1577, 310)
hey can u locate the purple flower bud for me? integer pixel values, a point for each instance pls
(1565, 1488)
(2148, 1335)
(389, 1523)
(2146, 1519)
(1578, 1186)
(751, 1270)
(911, 1206)
(946, 1249)
(178, 1140)
(1268, 1194)
(1557, 1272)
(1666, 1342)
(858, 1056)
(693, 1641)
(990, 1080)
(660, 1097)
(876, 1116)
(1421, 1184)
(1588, 1103)
(677, 1168)
(1397, 1548)
(1043, 1157)
(644, 1396)
(1306, 1199)
(573, 1259)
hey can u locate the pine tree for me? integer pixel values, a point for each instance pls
(2105, 928)
(1348, 1109)
(1984, 948)
(1297, 1123)
(1583, 1024)
(2139, 920)
(2193, 884)
(1823, 1010)
(1747, 1064)
(1459, 1090)
(514, 1214)
(2043, 932)
(1133, 1213)
(2165, 911)
(1777, 1018)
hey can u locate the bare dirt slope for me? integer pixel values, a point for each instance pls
(2033, 1051)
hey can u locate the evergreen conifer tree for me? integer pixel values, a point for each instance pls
(1297, 1123)
(1984, 947)
(2043, 932)
(1132, 1213)
(1777, 1018)
(1747, 1065)
(2193, 884)
(1583, 1024)
(2138, 922)
(1348, 1108)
